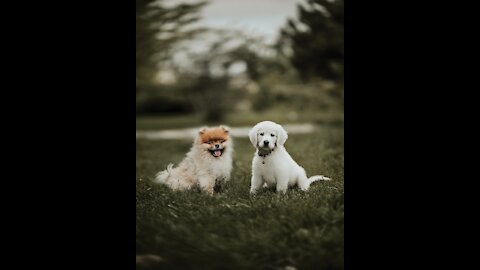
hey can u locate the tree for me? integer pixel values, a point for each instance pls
(206, 77)
(316, 39)
(158, 28)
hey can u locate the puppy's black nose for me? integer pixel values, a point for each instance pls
(217, 145)
(265, 142)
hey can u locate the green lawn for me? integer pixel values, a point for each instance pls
(233, 230)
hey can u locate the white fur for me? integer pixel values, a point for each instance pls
(278, 168)
(199, 169)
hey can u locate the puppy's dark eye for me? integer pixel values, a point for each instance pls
(209, 142)
(261, 134)
(273, 135)
(222, 141)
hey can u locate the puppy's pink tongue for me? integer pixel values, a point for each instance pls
(217, 153)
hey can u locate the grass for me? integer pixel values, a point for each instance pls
(233, 230)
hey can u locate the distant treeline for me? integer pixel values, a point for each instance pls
(237, 71)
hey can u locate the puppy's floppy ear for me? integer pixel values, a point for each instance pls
(252, 134)
(202, 130)
(225, 128)
(282, 135)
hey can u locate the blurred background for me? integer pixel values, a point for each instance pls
(239, 62)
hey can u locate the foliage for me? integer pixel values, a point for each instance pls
(158, 29)
(316, 39)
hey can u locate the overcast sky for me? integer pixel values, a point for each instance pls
(264, 17)
(259, 17)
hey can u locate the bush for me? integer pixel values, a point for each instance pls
(155, 100)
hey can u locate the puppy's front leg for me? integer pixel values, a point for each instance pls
(207, 184)
(256, 183)
(282, 185)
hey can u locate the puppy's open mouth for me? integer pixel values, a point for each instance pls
(216, 152)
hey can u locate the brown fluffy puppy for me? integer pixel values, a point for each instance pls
(209, 161)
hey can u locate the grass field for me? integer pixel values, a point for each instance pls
(233, 230)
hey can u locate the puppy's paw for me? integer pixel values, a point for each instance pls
(209, 192)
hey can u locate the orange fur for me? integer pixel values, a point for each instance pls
(215, 135)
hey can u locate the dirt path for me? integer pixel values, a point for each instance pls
(189, 133)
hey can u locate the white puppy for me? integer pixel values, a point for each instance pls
(272, 165)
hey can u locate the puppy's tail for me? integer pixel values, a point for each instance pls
(162, 176)
(314, 178)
